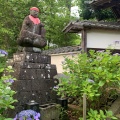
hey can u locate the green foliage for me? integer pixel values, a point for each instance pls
(6, 93)
(95, 115)
(105, 14)
(97, 75)
(12, 14)
(8, 119)
(63, 114)
(56, 15)
(87, 12)
(3, 118)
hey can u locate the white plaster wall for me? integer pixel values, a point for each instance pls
(103, 39)
(57, 59)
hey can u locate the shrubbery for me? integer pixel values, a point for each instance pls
(96, 74)
(6, 80)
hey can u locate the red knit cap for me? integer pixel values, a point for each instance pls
(34, 8)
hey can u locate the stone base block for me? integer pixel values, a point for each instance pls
(50, 111)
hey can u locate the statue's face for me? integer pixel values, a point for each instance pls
(34, 13)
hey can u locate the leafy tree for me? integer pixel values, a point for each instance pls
(56, 17)
(104, 14)
(12, 13)
(87, 12)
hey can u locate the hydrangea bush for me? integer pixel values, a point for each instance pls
(6, 93)
(27, 115)
(96, 74)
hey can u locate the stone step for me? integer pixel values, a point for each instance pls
(115, 107)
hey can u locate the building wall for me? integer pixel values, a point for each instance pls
(96, 38)
(103, 39)
(57, 59)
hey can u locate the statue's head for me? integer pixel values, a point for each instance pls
(34, 11)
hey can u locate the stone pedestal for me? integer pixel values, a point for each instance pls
(50, 111)
(34, 73)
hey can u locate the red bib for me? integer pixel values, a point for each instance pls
(34, 20)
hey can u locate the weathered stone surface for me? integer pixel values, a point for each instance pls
(37, 58)
(34, 73)
(18, 57)
(50, 111)
(115, 108)
(118, 116)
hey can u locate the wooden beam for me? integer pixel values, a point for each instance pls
(99, 2)
(67, 28)
(84, 40)
(84, 106)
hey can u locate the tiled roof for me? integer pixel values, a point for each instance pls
(77, 26)
(62, 50)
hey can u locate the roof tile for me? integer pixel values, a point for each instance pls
(62, 50)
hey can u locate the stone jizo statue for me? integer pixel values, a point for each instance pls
(32, 33)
